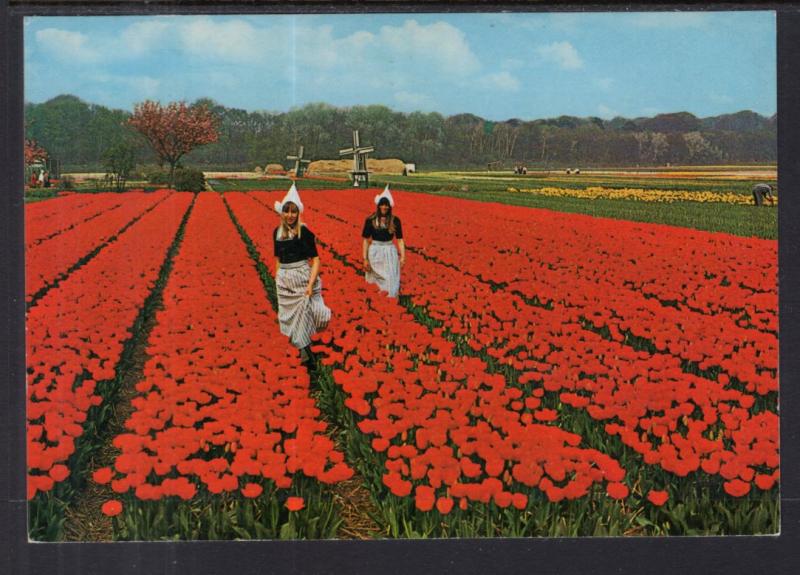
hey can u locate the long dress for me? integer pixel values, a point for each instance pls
(299, 316)
(384, 261)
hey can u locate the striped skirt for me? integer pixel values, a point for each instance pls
(384, 267)
(300, 316)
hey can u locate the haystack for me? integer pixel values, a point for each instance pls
(274, 169)
(342, 167)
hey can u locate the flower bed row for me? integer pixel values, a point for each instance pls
(37, 211)
(50, 261)
(76, 335)
(641, 194)
(40, 229)
(223, 413)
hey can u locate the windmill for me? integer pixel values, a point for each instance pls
(359, 172)
(299, 163)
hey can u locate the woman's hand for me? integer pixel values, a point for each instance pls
(402, 259)
(312, 278)
(365, 253)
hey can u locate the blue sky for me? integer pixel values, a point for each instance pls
(497, 66)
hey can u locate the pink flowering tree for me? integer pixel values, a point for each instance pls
(174, 130)
(33, 153)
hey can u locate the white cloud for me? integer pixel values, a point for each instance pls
(319, 49)
(67, 45)
(301, 46)
(669, 19)
(277, 47)
(562, 53)
(440, 43)
(358, 40)
(140, 37)
(390, 59)
(235, 40)
(501, 81)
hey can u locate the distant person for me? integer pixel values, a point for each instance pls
(762, 192)
(381, 260)
(33, 179)
(41, 178)
(301, 309)
(47, 179)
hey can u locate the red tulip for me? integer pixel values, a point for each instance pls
(295, 503)
(736, 488)
(657, 498)
(102, 475)
(617, 490)
(112, 508)
(252, 490)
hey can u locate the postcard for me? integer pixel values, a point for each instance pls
(401, 275)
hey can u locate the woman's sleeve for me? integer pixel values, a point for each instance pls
(310, 241)
(398, 228)
(275, 242)
(367, 231)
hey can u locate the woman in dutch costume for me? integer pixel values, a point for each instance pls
(301, 309)
(382, 260)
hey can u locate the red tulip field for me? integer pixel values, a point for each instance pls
(541, 374)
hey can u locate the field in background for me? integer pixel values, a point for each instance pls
(717, 199)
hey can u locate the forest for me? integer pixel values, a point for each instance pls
(78, 133)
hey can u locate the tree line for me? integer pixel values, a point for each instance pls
(80, 133)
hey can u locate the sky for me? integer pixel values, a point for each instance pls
(497, 66)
